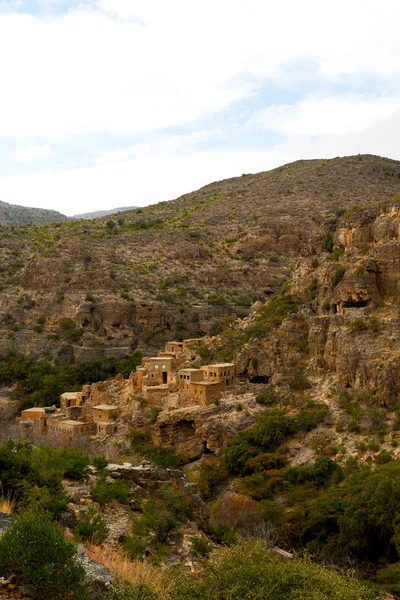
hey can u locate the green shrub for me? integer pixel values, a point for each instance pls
(328, 244)
(383, 457)
(266, 397)
(33, 476)
(125, 590)
(212, 473)
(358, 325)
(200, 547)
(163, 456)
(270, 430)
(162, 514)
(299, 380)
(92, 527)
(100, 462)
(35, 549)
(320, 473)
(338, 276)
(337, 253)
(154, 412)
(104, 492)
(249, 571)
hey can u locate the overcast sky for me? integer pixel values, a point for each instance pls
(107, 103)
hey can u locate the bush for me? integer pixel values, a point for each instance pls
(320, 473)
(121, 589)
(267, 397)
(299, 381)
(33, 476)
(35, 549)
(328, 244)
(212, 473)
(249, 571)
(154, 412)
(100, 462)
(104, 492)
(162, 514)
(92, 527)
(163, 456)
(270, 430)
(338, 276)
(200, 547)
(358, 325)
(238, 512)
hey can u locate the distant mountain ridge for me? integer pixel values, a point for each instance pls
(12, 214)
(102, 213)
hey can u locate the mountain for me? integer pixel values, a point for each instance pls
(292, 276)
(184, 267)
(102, 213)
(12, 214)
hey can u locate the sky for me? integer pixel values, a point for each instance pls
(107, 103)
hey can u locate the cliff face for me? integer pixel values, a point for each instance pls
(347, 323)
(182, 268)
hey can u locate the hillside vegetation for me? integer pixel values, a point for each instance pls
(179, 268)
(12, 214)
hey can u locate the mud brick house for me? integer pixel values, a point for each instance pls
(104, 413)
(221, 373)
(205, 392)
(188, 376)
(70, 428)
(173, 348)
(70, 399)
(32, 413)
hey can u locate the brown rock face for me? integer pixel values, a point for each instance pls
(179, 269)
(196, 430)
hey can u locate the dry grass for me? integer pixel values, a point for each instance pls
(7, 504)
(134, 571)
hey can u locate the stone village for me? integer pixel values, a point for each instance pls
(166, 381)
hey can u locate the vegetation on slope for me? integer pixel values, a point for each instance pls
(200, 258)
(40, 383)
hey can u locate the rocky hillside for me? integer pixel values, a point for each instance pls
(189, 266)
(11, 214)
(103, 213)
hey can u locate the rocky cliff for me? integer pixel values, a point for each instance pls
(186, 267)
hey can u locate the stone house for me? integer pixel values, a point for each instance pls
(161, 370)
(70, 428)
(70, 399)
(188, 376)
(221, 373)
(33, 413)
(104, 413)
(205, 392)
(105, 428)
(173, 348)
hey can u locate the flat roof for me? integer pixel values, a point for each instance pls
(67, 422)
(206, 383)
(218, 365)
(161, 358)
(162, 386)
(189, 370)
(69, 394)
(34, 409)
(106, 407)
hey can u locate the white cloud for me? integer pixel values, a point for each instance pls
(152, 177)
(162, 64)
(30, 153)
(326, 115)
(135, 68)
